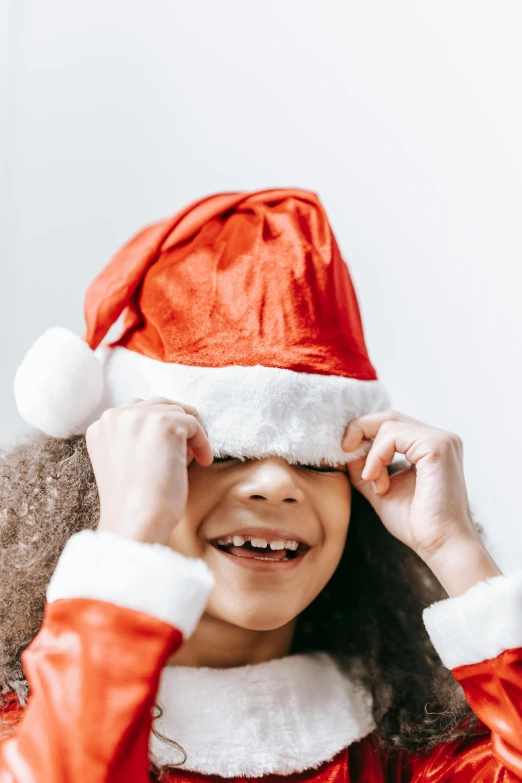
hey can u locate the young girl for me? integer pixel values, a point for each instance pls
(210, 567)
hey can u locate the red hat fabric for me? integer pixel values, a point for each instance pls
(241, 305)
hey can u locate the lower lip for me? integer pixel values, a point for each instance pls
(269, 566)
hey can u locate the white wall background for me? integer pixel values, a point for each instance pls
(404, 117)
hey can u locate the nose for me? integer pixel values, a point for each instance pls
(269, 479)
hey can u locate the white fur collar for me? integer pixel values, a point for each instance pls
(282, 716)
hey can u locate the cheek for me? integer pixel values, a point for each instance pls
(187, 536)
(328, 556)
(184, 540)
(333, 507)
(203, 496)
(336, 529)
(335, 519)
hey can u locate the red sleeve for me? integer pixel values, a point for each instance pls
(478, 635)
(94, 667)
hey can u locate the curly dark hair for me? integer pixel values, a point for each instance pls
(370, 610)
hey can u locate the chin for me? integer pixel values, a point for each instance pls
(252, 615)
(261, 623)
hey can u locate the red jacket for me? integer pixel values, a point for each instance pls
(96, 663)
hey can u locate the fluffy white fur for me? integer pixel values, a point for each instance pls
(252, 411)
(62, 387)
(150, 578)
(58, 383)
(282, 716)
(479, 624)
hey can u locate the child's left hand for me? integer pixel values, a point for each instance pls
(426, 505)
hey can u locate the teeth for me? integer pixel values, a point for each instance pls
(260, 543)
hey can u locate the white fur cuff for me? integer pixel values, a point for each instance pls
(479, 624)
(150, 578)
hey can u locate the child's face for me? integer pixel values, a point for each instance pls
(231, 496)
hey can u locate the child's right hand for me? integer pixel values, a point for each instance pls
(140, 452)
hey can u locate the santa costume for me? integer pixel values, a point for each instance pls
(242, 306)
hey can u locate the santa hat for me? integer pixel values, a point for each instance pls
(240, 305)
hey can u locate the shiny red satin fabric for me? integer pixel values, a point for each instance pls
(235, 279)
(94, 671)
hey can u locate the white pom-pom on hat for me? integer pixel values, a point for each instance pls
(59, 383)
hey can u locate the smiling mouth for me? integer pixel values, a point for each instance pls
(262, 553)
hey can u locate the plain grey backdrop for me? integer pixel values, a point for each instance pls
(404, 117)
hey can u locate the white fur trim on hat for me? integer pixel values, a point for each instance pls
(252, 411)
(62, 386)
(58, 383)
(479, 624)
(148, 577)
